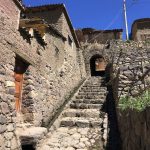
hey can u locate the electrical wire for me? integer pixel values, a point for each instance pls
(111, 23)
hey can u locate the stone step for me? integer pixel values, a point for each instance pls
(92, 86)
(89, 101)
(92, 93)
(89, 113)
(92, 90)
(90, 97)
(80, 122)
(32, 134)
(85, 106)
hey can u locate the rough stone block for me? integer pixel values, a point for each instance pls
(9, 84)
(5, 108)
(3, 119)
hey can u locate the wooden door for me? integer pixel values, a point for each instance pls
(18, 90)
(20, 68)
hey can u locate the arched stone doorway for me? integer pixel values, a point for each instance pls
(97, 65)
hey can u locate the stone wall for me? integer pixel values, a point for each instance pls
(98, 36)
(128, 72)
(141, 29)
(90, 50)
(54, 70)
(53, 17)
(11, 10)
(130, 77)
(130, 61)
(8, 17)
(135, 129)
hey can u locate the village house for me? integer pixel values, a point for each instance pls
(141, 29)
(44, 62)
(40, 66)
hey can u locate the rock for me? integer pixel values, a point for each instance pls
(9, 84)
(5, 108)
(8, 135)
(76, 136)
(84, 139)
(2, 128)
(92, 141)
(11, 91)
(81, 145)
(10, 127)
(8, 144)
(14, 144)
(3, 119)
(34, 133)
(2, 140)
(45, 147)
(83, 132)
(70, 148)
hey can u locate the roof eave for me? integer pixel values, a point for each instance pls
(71, 26)
(20, 6)
(62, 6)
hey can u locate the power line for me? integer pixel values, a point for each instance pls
(110, 24)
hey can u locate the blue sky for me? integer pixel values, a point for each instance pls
(100, 14)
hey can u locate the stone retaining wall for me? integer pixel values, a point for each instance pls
(130, 77)
(135, 129)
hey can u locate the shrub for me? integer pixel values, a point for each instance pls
(138, 103)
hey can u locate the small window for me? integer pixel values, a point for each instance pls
(70, 41)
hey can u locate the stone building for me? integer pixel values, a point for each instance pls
(141, 29)
(41, 64)
(90, 35)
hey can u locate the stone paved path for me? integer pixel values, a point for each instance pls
(83, 125)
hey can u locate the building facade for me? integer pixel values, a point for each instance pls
(40, 66)
(42, 62)
(141, 30)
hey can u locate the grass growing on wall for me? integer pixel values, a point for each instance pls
(138, 103)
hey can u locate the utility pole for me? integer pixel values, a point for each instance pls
(126, 20)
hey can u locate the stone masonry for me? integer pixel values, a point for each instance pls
(83, 123)
(54, 65)
(46, 85)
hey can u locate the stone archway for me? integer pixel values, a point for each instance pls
(97, 65)
(90, 53)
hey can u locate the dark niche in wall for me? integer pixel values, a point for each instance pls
(28, 147)
(97, 65)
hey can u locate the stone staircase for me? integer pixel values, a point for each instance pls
(83, 125)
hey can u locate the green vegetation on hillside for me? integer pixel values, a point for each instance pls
(138, 103)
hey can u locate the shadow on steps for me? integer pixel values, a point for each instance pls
(114, 140)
